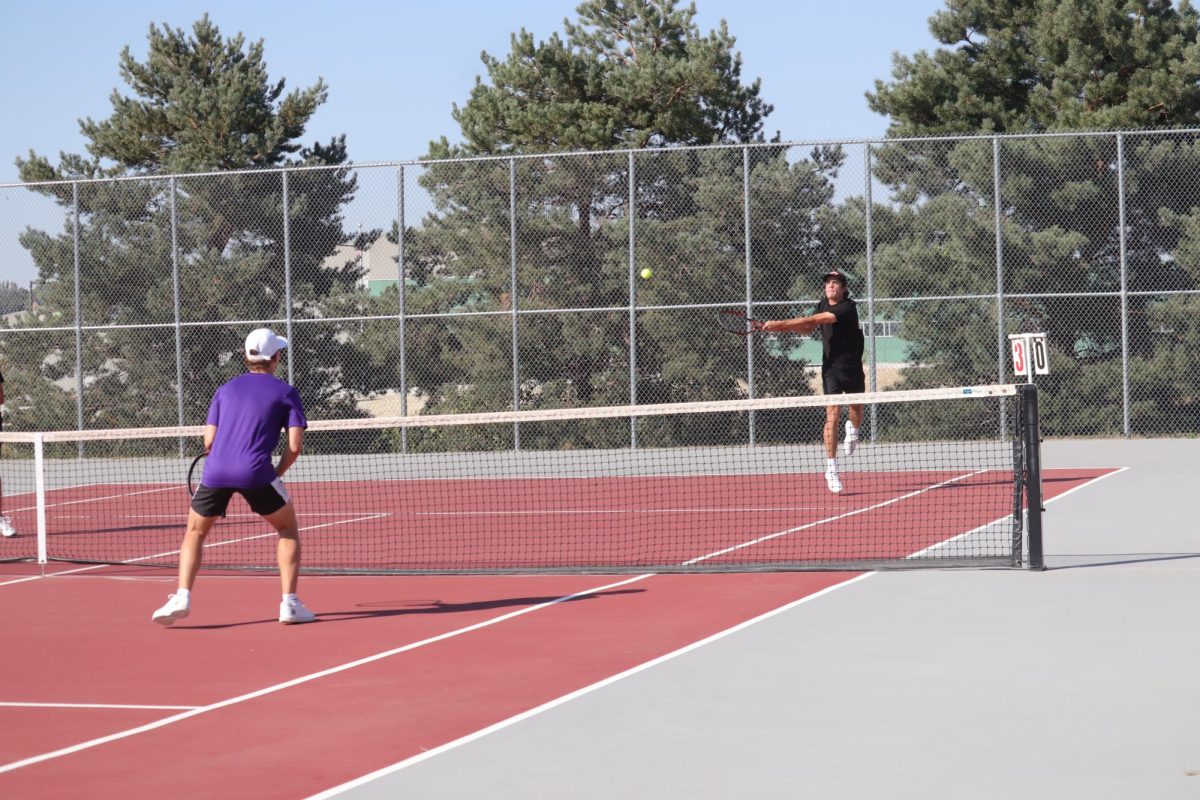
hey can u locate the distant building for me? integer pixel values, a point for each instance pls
(378, 261)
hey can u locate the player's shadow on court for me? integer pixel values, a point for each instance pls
(382, 609)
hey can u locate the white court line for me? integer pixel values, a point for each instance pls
(1045, 501)
(28, 578)
(306, 678)
(97, 705)
(461, 631)
(835, 518)
(94, 499)
(524, 715)
(583, 512)
(265, 535)
(1089, 482)
(247, 515)
(333, 670)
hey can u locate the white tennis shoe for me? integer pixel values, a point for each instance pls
(293, 611)
(177, 608)
(851, 443)
(833, 481)
(6, 526)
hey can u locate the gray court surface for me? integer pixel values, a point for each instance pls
(1082, 681)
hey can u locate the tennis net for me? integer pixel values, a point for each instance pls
(939, 478)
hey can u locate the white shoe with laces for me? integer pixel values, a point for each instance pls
(293, 611)
(6, 526)
(177, 608)
(833, 481)
(851, 443)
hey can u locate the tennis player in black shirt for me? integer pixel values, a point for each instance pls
(841, 364)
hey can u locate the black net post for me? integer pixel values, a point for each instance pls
(1032, 440)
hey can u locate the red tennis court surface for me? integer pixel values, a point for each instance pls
(96, 699)
(535, 523)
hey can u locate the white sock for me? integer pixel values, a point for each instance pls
(851, 430)
(831, 465)
(184, 593)
(287, 598)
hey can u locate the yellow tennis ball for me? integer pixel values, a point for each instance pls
(647, 273)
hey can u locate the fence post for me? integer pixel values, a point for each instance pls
(403, 300)
(512, 252)
(78, 311)
(287, 278)
(1124, 285)
(749, 281)
(178, 317)
(997, 221)
(631, 213)
(870, 235)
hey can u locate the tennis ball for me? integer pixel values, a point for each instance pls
(647, 273)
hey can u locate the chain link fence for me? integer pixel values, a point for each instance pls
(497, 283)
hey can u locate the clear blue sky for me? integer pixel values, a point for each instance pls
(394, 69)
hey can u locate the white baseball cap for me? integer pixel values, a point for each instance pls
(262, 344)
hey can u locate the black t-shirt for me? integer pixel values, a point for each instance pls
(842, 339)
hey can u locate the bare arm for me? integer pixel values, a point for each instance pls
(210, 434)
(801, 325)
(295, 444)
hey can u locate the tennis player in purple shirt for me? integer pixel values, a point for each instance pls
(245, 419)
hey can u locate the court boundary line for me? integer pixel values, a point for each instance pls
(547, 706)
(1045, 502)
(688, 562)
(93, 499)
(370, 777)
(90, 567)
(117, 706)
(303, 679)
(404, 648)
(851, 513)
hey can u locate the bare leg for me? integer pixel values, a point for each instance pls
(856, 415)
(288, 549)
(191, 552)
(832, 414)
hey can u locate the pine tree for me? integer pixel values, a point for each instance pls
(623, 75)
(1031, 66)
(199, 102)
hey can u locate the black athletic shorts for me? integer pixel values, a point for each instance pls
(263, 500)
(844, 380)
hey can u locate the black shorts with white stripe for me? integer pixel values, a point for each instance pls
(263, 500)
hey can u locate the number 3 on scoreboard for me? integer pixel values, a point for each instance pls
(1020, 357)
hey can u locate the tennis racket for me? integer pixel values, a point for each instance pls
(194, 473)
(738, 323)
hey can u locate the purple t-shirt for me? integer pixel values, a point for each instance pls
(249, 412)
